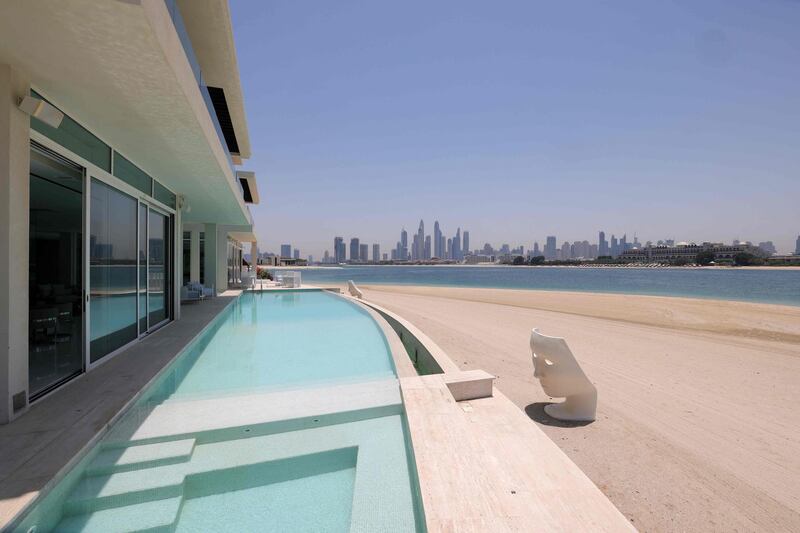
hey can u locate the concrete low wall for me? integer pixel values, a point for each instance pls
(423, 361)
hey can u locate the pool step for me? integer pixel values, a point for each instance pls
(157, 516)
(106, 491)
(124, 459)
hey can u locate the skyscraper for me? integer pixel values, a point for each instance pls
(427, 254)
(614, 246)
(550, 247)
(565, 251)
(443, 247)
(376, 252)
(363, 254)
(602, 244)
(465, 247)
(403, 245)
(449, 249)
(536, 252)
(286, 250)
(797, 246)
(355, 251)
(456, 246)
(437, 240)
(296, 254)
(338, 250)
(420, 241)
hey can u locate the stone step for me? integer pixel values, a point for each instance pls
(122, 489)
(124, 459)
(158, 516)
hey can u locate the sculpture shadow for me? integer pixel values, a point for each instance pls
(536, 412)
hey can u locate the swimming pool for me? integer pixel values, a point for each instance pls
(284, 415)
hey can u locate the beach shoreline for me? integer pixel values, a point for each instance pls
(697, 425)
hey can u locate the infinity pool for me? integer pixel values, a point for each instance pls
(281, 339)
(284, 415)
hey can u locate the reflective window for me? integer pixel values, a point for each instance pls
(142, 268)
(157, 271)
(55, 321)
(132, 175)
(112, 269)
(163, 195)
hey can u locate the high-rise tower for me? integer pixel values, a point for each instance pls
(437, 240)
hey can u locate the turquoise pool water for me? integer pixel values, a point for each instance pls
(283, 339)
(284, 415)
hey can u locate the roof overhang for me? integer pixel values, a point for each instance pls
(209, 25)
(249, 186)
(119, 68)
(243, 236)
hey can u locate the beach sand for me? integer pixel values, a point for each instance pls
(698, 424)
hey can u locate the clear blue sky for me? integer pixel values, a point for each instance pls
(521, 119)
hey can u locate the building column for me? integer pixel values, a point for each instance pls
(222, 259)
(14, 231)
(194, 256)
(211, 256)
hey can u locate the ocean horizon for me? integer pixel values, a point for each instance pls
(746, 285)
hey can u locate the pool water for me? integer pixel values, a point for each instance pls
(279, 339)
(284, 415)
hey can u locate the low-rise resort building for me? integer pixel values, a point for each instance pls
(687, 252)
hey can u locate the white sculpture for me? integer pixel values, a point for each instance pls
(353, 290)
(561, 376)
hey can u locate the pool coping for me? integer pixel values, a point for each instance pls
(468, 456)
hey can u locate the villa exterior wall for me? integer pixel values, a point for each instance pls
(14, 216)
(25, 73)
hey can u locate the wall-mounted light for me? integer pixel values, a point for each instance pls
(184, 204)
(40, 109)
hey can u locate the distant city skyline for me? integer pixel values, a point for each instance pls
(422, 246)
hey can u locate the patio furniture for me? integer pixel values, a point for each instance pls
(291, 280)
(207, 292)
(561, 376)
(189, 295)
(353, 290)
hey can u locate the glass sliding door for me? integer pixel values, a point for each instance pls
(142, 269)
(158, 271)
(113, 251)
(56, 316)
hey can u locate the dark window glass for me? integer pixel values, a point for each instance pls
(187, 257)
(76, 138)
(132, 175)
(203, 257)
(55, 321)
(163, 195)
(112, 265)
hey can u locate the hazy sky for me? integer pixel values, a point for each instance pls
(521, 119)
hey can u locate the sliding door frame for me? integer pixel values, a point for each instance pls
(93, 171)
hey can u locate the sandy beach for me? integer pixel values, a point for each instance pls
(698, 423)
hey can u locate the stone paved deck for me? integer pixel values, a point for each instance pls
(43, 441)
